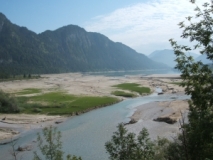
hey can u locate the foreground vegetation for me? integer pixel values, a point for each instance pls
(122, 146)
(51, 147)
(133, 87)
(196, 141)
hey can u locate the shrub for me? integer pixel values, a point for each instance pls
(37, 110)
(8, 103)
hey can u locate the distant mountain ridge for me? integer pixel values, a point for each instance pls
(167, 56)
(67, 49)
(203, 59)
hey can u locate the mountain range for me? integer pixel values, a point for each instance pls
(167, 57)
(67, 49)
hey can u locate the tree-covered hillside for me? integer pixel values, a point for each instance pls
(67, 49)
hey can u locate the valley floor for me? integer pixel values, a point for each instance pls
(86, 85)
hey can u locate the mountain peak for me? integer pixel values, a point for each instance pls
(2, 16)
(65, 30)
(70, 27)
(3, 20)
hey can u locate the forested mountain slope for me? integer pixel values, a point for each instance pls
(67, 49)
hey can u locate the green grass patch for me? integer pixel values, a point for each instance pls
(29, 91)
(176, 83)
(59, 103)
(134, 87)
(53, 97)
(123, 94)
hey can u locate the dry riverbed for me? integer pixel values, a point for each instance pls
(87, 85)
(160, 118)
(11, 123)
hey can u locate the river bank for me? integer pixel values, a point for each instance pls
(12, 125)
(77, 84)
(160, 118)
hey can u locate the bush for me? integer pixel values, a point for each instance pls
(8, 103)
(37, 110)
(125, 146)
(123, 94)
(50, 146)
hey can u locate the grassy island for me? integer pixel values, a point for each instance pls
(123, 94)
(133, 87)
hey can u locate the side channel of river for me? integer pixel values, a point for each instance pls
(85, 135)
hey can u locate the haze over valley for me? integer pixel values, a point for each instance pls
(168, 57)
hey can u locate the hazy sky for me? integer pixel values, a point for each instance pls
(144, 25)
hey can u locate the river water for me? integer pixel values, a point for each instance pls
(86, 135)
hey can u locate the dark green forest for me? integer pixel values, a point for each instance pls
(67, 49)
